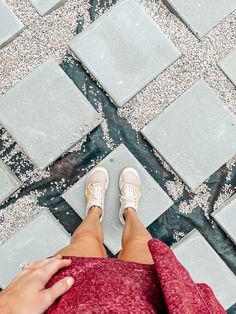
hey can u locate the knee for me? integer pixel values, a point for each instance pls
(137, 241)
(87, 236)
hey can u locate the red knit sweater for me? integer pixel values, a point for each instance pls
(107, 285)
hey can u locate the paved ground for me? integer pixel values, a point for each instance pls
(198, 51)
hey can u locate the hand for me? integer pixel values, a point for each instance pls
(26, 294)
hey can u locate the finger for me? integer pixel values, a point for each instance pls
(49, 269)
(51, 294)
(44, 261)
(40, 263)
(35, 265)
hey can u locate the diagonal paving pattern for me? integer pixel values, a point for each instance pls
(45, 131)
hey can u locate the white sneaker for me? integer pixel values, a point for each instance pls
(96, 187)
(130, 187)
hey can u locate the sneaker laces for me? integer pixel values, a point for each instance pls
(96, 190)
(129, 197)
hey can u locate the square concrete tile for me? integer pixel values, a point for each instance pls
(201, 15)
(128, 50)
(225, 216)
(46, 6)
(205, 266)
(228, 65)
(9, 182)
(46, 114)
(154, 201)
(31, 243)
(196, 134)
(10, 25)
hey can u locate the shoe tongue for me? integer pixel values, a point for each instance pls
(129, 191)
(97, 194)
(98, 186)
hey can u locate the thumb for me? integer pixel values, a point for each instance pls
(51, 294)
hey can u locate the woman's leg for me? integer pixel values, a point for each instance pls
(134, 240)
(87, 240)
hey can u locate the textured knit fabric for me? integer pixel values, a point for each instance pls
(106, 285)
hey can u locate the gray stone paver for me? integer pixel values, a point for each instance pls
(129, 50)
(154, 201)
(205, 266)
(10, 25)
(201, 15)
(9, 182)
(228, 65)
(46, 114)
(31, 243)
(196, 134)
(225, 216)
(46, 6)
(229, 71)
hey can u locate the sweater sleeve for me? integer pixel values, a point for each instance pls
(182, 295)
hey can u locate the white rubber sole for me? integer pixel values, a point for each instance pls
(106, 185)
(127, 169)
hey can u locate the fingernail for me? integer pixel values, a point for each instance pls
(70, 281)
(67, 260)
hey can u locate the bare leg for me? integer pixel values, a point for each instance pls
(134, 240)
(87, 240)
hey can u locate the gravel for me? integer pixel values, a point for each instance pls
(49, 36)
(199, 60)
(44, 37)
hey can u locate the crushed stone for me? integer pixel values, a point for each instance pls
(49, 36)
(15, 216)
(199, 60)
